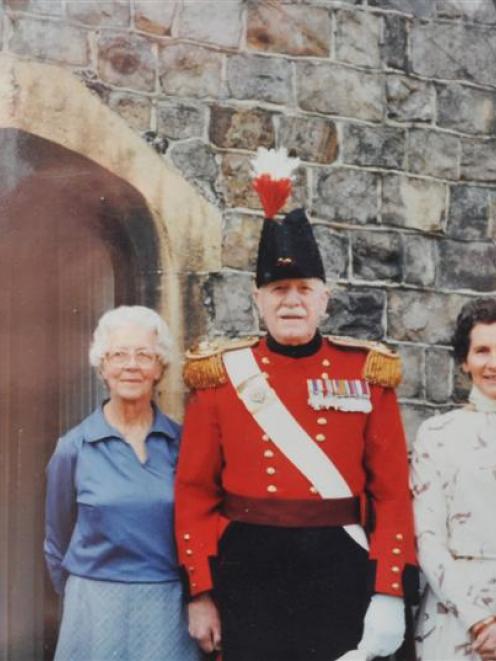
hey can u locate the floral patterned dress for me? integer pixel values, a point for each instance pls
(454, 487)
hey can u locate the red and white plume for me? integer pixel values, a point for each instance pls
(272, 169)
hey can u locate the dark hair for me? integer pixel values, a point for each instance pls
(478, 311)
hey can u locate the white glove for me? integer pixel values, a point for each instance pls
(383, 626)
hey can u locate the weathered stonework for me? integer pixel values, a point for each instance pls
(409, 99)
(49, 7)
(240, 241)
(101, 13)
(179, 121)
(454, 52)
(259, 78)
(197, 162)
(48, 40)
(376, 256)
(155, 17)
(394, 43)
(134, 109)
(292, 29)
(241, 128)
(480, 11)
(422, 316)
(478, 161)
(126, 60)
(419, 260)
(373, 146)
(232, 303)
(187, 70)
(466, 109)
(212, 22)
(413, 415)
(412, 359)
(415, 203)
(334, 249)
(357, 312)
(357, 38)
(439, 375)
(467, 266)
(461, 385)
(342, 195)
(337, 90)
(433, 153)
(312, 138)
(418, 8)
(469, 213)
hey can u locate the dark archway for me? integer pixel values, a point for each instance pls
(75, 240)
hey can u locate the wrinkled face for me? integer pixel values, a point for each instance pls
(130, 367)
(481, 358)
(292, 309)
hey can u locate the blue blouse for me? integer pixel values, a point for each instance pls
(108, 516)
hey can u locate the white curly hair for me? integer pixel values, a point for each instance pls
(129, 314)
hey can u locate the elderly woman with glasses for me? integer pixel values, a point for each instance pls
(109, 542)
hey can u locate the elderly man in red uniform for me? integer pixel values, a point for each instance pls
(290, 441)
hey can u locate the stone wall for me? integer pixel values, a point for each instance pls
(390, 105)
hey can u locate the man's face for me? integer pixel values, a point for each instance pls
(292, 309)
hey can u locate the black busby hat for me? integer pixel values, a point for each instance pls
(287, 247)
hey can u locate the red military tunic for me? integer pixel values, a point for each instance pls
(224, 450)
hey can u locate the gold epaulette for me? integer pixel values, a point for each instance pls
(382, 366)
(204, 367)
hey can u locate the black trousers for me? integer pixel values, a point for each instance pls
(289, 594)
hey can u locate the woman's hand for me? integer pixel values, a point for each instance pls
(485, 643)
(204, 623)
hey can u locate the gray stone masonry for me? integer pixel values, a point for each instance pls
(390, 106)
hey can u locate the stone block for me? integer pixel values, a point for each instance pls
(241, 128)
(237, 184)
(334, 250)
(469, 213)
(188, 70)
(419, 260)
(347, 196)
(373, 146)
(101, 13)
(49, 7)
(466, 109)
(179, 121)
(134, 109)
(336, 90)
(211, 22)
(478, 162)
(240, 241)
(394, 42)
(409, 100)
(260, 78)
(438, 375)
(412, 359)
(418, 8)
(376, 256)
(198, 164)
(288, 28)
(433, 153)
(49, 41)
(197, 307)
(467, 265)
(357, 38)
(356, 312)
(453, 51)
(416, 203)
(418, 316)
(127, 60)
(310, 138)
(232, 303)
(477, 11)
(155, 17)
(461, 386)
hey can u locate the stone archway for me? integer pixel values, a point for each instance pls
(77, 187)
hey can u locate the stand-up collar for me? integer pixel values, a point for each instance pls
(296, 351)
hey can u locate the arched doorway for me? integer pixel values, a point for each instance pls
(75, 240)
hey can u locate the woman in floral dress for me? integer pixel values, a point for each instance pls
(454, 486)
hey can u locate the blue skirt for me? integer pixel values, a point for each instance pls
(104, 621)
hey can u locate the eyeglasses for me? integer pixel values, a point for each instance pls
(120, 358)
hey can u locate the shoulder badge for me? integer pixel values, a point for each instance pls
(204, 367)
(382, 365)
